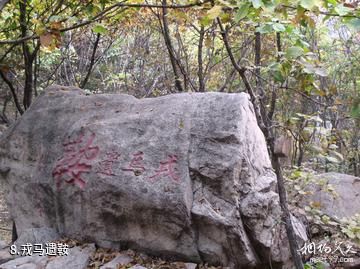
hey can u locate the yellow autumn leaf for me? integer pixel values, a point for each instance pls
(208, 42)
(214, 12)
(50, 40)
(56, 25)
(40, 29)
(316, 204)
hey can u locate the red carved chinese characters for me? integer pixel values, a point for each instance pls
(76, 160)
(167, 168)
(136, 164)
(105, 166)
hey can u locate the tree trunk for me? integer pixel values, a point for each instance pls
(168, 42)
(28, 57)
(200, 60)
(92, 61)
(286, 216)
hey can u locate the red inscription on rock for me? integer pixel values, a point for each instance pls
(136, 164)
(76, 160)
(167, 168)
(105, 166)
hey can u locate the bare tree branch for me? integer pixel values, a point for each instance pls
(13, 92)
(92, 62)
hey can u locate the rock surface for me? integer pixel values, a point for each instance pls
(78, 258)
(5, 256)
(117, 261)
(338, 195)
(190, 265)
(2, 129)
(27, 262)
(137, 266)
(185, 176)
(37, 235)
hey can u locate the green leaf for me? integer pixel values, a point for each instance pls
(321, 72)
(205, 21)
(321, 265)
(278, 76)
(308, 4)
(55, 18)
(302, 43)
(278, 27)
(337, 155)
(355, 110)
(92, 9)
(331, 159)
(353, 24)
(289, 29)
(227, 3)
(257, 3)
(342, 10)
(242, 12)
(315, 149)
(349, 233)
(333, 2)
(99, 29)
(276, 72)
(264, 29)
(294, 52)
(311, 69)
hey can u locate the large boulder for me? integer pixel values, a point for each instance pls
(185, 176)
(337, 195)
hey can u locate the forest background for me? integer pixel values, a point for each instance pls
(298, 60)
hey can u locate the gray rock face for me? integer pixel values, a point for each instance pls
(185, 176)
(337, 194)
(41, 235)
(5, 256)
(137, 266)
(190, 265)
(27, 262)
(3, 244)
(78, 258)
(121, 259)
